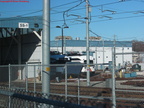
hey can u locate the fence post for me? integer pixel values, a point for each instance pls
(34, 84)
(78, 89)
(65, 82)
(26, 76)
(9, 66)
(34, 78)
(26, 80)
(9, 72)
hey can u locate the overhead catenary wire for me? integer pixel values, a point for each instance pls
(13, 18)
(66, 12)
(106, 15)
(119, 18)
(92, 16)
(68, 9)
(139, 0)
(107, 19)
(29, 13)
(65, 4)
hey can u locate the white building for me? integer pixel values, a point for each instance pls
(31, 50)
(102, 49)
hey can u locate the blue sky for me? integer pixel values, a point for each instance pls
(125, 19)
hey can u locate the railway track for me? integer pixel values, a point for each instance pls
(89, 95)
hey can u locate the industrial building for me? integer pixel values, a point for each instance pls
(100, 50)
(20, 42)
(22, 45)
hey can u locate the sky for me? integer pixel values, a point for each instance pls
(123, 19)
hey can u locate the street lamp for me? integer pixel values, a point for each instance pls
(63, 39)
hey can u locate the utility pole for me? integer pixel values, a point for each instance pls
(103, 54)
(87, 42)
(46, 49)
(62, 39)
(113, 76)
(96, 67)
(122, 56)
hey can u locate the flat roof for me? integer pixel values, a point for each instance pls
(13, 22)
(82, 43)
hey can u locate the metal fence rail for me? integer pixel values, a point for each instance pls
(14, 98)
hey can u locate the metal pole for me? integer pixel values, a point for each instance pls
(123, 56)
(87, 42)
(9, 76)
(63, 48)
(46, 49)
(103, 55)
(26, 76)
(113, 78)
(9, 68)
(19, 54)
(26, 83)
(62, 39)
(96, 67)
(66, 83)
(34, 84)
(34, 79)
(64, 45)
(78, 90)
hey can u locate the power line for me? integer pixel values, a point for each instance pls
(84, 17)
(119, 18)
(30, 13)
(91, 6)
(103, 5)
(41, 10)
(68, 9)
(139, 0)
(134, 12)
(65, 4)
(103, 20)
(66, 12)
(137, 11)
(13, 18)
(99, 5)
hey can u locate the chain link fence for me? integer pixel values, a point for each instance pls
(68, 84)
